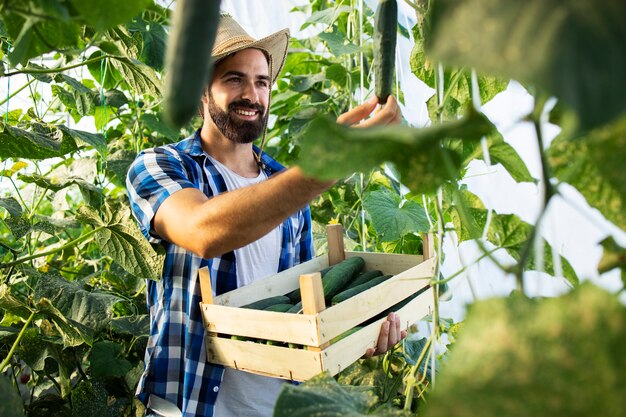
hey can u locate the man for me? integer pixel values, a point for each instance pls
(214, 199)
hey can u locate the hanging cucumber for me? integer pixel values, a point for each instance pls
(188, 63)
(385, 32)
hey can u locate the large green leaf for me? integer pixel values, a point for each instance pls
(323, 396)
(140, 78)
(35, 36)
(90, 399)
(394, 217)
(457, 83)
(72, 333)
(9, 303)
(41, 143)
(542, 358)
(10, 401)
(502, 153)
(119, 237)
(107, 360)
(103, 15)
(12, 206)
(91, 193)
(89, 307)
(596, 166)
(506, 231)
(574, 49)
(330, 150)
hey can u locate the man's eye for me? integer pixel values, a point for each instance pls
(234, 80)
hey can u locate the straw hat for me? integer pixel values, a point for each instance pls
(231, 37)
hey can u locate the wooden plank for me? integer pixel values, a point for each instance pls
(313, 302)
(205, 285)
(285, 327)
(336, 252)
(276, 361)
(428, 240)
(343, 316)
(342, 354)
(389, 263)
(279, 284)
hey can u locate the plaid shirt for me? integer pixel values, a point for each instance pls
(176, 367)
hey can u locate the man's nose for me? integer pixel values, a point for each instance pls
(250, 92)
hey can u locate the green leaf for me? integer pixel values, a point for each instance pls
(614, 256)
(96, 140)
(104, 15)
(11, 205)
(119, 237)
(92, 309)
(113, 98)
(41, 143)
(338, 74)
(91, 193)
(119, 162)
(11, 404)
(523, 357)
(102, 117)
(511, 233)
(72, 332)
(154, 41)
(19, 226)
(72, 82)
(334, 151)
(39, 36)
(337, 42)
(139, 77)
(595, 165)
(155, 124)
(323, 396)
(9, 303)
(393, 217)
(326, 16)
(136, 326)
(302, 83)
(107, 360)
(574, 50)
(502, 153)
(90, 399)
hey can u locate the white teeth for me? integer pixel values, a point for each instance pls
(245, 113)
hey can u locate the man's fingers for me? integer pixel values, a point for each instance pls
(383, 338)
(358, 113)
(390, 114)
(394, 330)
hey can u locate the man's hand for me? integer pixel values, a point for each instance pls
(390, 334)
(389, 114)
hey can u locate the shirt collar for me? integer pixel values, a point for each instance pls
(193, 147)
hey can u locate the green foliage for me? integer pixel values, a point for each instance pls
(574, 52)
(10, 401)
(322, 395)
(519, 357)
(594, 164)
(422, 156)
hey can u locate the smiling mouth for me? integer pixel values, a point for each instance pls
(247, 113)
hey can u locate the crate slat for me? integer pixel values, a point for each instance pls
(389, 263)
(279, 284)
(276, 361)
(295, 328)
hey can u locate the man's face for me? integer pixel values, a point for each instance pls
(239, 94)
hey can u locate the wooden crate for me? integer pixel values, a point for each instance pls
(317, 325)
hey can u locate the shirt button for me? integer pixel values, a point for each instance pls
(216, 388)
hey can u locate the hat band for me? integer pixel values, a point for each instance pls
(232, 44)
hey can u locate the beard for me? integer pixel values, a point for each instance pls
(233, 128)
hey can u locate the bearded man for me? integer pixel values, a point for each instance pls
(216, 200)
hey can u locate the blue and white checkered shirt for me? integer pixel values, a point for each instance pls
(176, 367)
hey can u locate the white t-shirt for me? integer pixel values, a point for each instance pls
(243, 394)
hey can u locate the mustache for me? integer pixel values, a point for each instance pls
(246, 104)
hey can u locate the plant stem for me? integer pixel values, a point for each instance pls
(411, 380)
(16, 92)
(7, 360)
(549, 192)
(56, 70)
(51, 251)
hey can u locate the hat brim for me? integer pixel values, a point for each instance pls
(275, 45)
